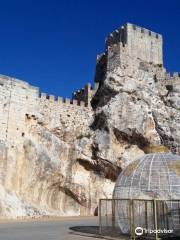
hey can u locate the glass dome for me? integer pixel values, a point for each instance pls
(154, 176)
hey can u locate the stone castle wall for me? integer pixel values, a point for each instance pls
(144, 44)
(21, 103)
(171, 79)
(85, 94)
(70, 117)
(127, 44)
(141, 43)
(16, 99)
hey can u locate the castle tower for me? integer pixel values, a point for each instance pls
(136, 42)
(141, 43)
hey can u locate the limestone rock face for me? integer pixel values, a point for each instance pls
(60, 157)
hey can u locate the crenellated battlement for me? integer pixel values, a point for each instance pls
(85, 94)
(145, 31)
(117, 36)
(12, 84)
(141, 42)
(61, 101)
(174, 75)
(81, 98)
(171, 79)
(121, 34)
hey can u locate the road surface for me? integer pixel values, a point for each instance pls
(62, 229)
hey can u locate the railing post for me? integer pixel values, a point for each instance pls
(167, 215)
(146, 215)
(113, 213)
(155, 218)
(133, 225)
(130, 217)
(100, 223)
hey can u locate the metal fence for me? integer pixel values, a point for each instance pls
(139, 218)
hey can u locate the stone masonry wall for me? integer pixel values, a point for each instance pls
(70, 117)
(142, 43)
(19, 102)
(16, 99)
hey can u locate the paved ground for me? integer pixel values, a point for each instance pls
(50, 230)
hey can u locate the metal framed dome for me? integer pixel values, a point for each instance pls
(152, 176)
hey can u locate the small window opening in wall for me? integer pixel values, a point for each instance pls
(23, 134)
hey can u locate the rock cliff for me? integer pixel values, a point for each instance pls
(59, 158)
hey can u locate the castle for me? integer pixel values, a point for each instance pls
(140, 44)
(59, 156)
(19, 99)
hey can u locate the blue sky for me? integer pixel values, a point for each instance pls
(53, 44)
